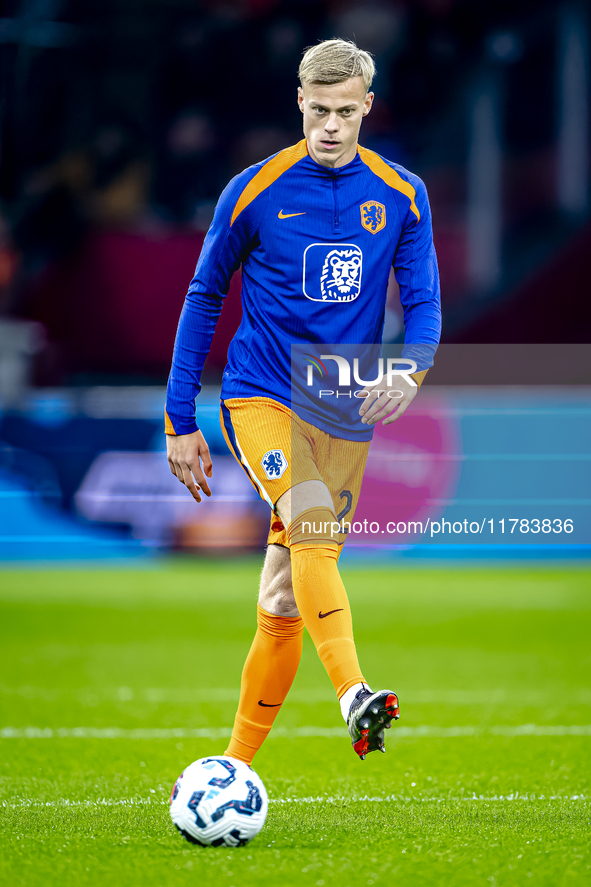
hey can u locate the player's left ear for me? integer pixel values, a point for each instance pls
(367, 104)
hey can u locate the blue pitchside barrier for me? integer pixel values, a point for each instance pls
(469, 472)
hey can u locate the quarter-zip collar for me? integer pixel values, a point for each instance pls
(354, 166)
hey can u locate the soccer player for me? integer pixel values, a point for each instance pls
(317, 229)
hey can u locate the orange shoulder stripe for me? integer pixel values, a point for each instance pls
(389, 176)
(269, 174)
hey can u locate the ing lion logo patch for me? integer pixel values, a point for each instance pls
(373, 216)
(340, 280)
(332, 272)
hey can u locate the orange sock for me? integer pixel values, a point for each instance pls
(321, 596)
(267, 675)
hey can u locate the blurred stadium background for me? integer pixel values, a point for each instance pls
(120, 122)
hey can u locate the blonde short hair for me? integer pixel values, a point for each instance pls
(334, 61)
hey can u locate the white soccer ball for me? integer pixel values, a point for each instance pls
(218, 801)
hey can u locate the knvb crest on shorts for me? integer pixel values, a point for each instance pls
(373, 216)
(332, 272)
(274, 463)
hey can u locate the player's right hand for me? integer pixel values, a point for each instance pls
(186, 454)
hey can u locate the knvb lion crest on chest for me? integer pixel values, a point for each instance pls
(373, 216)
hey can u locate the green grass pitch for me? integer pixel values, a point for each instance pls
(486, 776)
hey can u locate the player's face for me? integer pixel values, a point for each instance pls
(332, 116)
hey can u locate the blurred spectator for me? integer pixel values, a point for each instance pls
(119, 193)
(378, 26)
(258, 143)
(49, 220)
(9, 265)
(190, 172)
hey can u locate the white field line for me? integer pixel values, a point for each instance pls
(89, 803)
(176, 695)
(425, 731)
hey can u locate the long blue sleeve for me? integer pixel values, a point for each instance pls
(415, 267)
(193, 340)
(224, 248)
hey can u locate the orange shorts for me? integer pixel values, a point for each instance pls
(278, 450)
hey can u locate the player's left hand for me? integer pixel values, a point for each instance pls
(385, 403)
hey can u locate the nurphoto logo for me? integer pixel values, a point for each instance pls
(344, 368)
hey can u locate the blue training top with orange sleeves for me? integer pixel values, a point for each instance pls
(316, 246)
